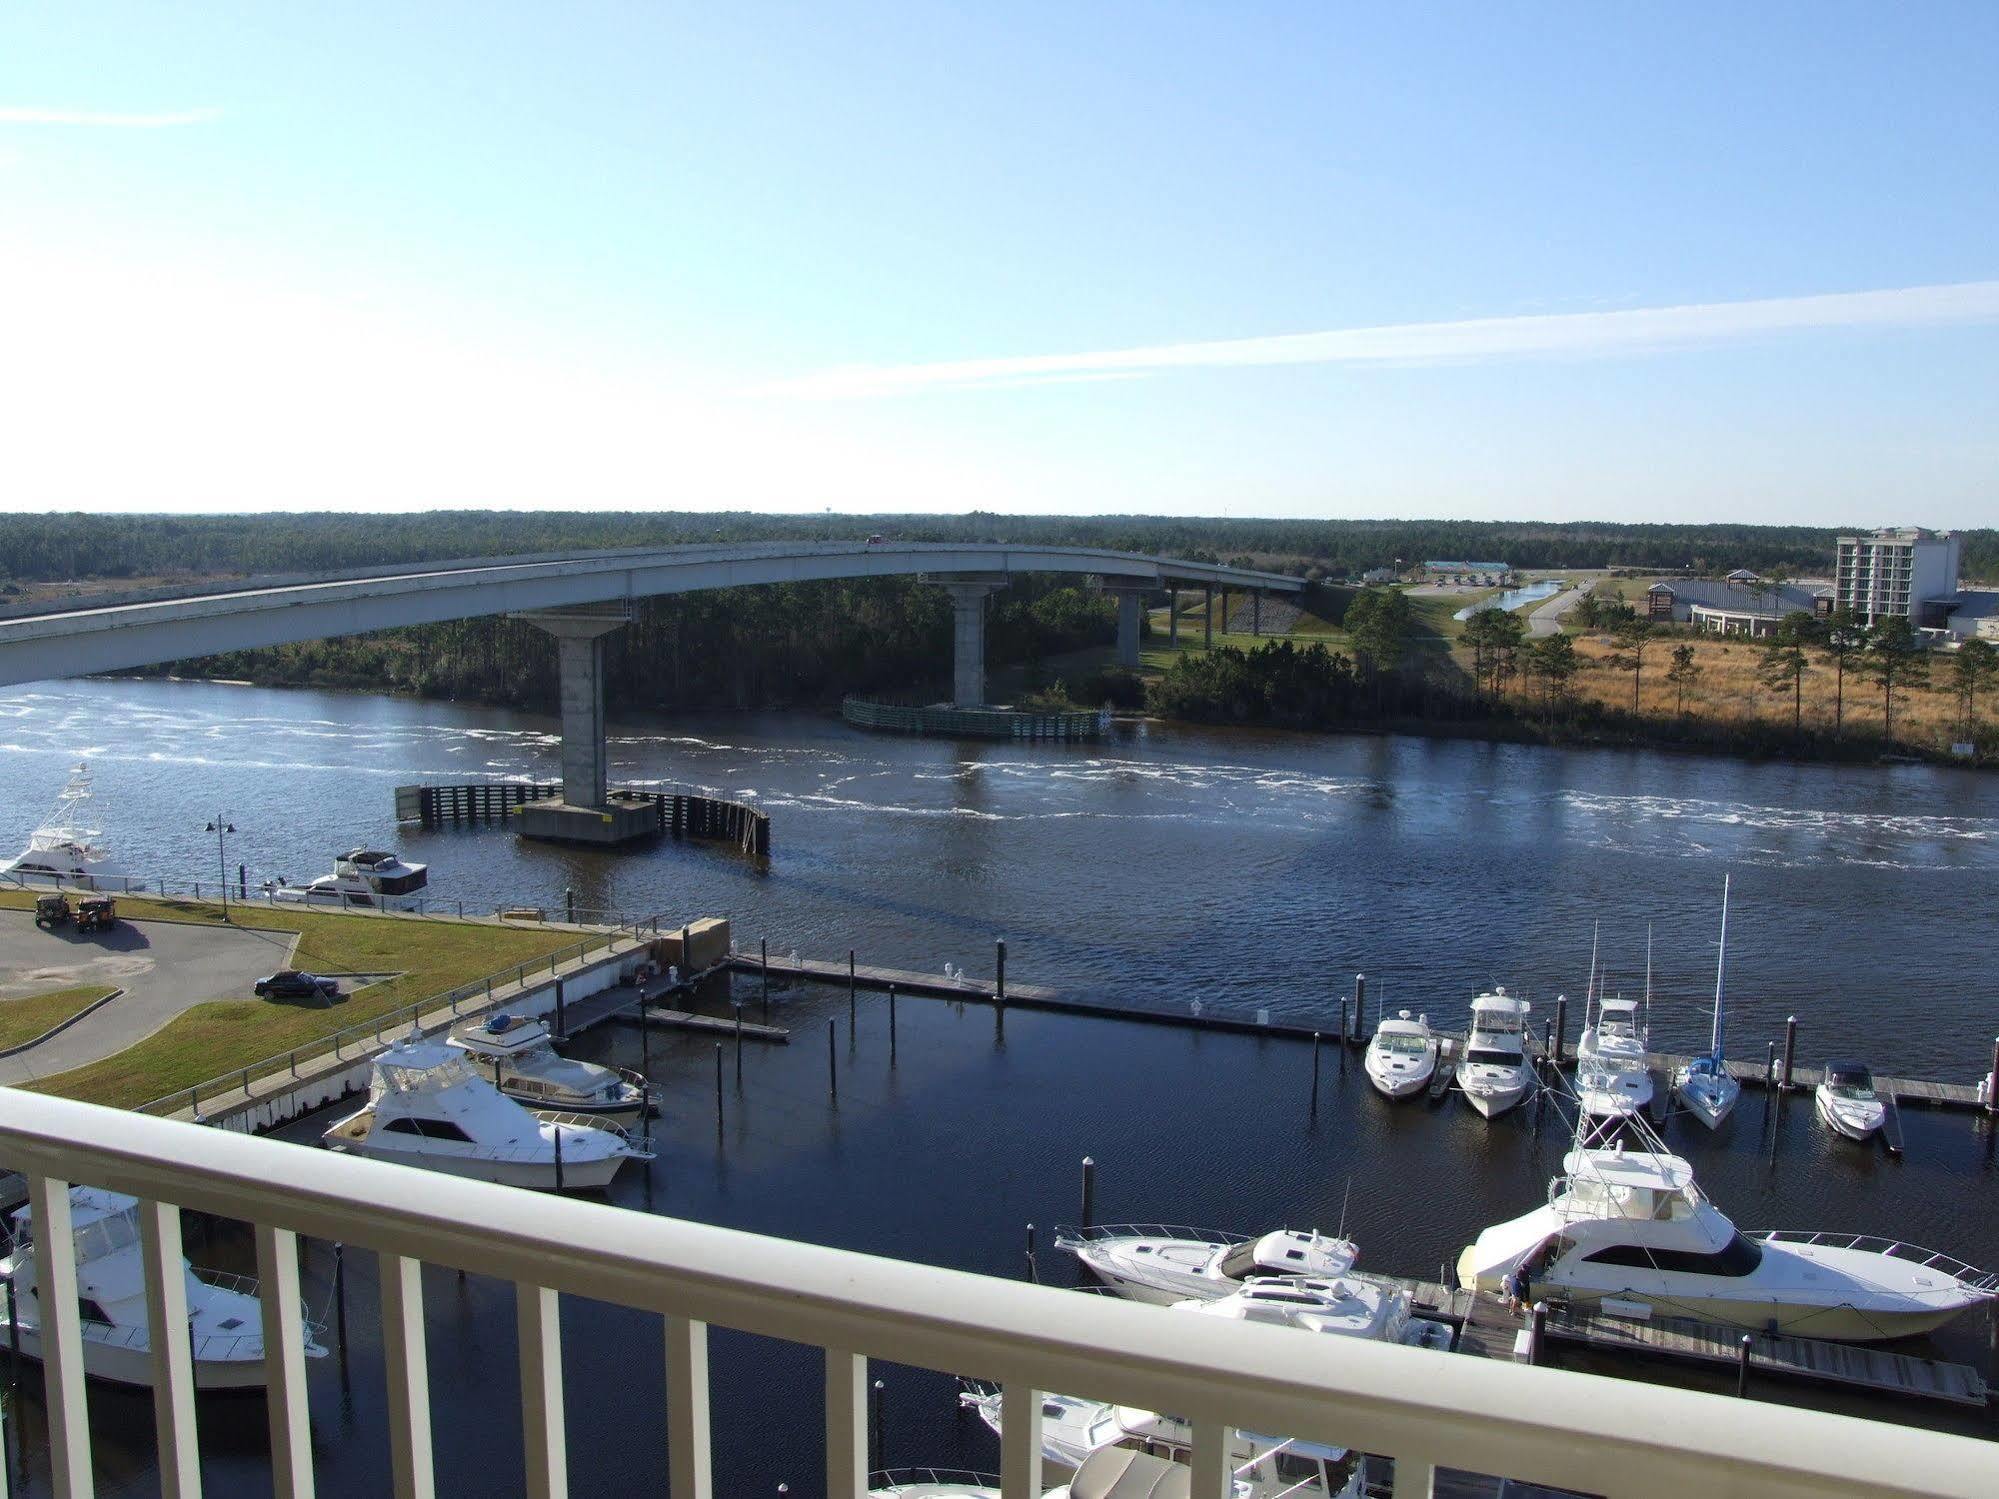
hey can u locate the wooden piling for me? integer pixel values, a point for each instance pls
(739, 1048)
(891, 1025)
(1089, 1192)
(1561, 1028)
(832, 1064)
(1790, 1048)
(1742, 1365)
(718, 1085)
(1992, 1081)
(1315, 1072)
(1359, 1008)
(1033, 1271)
(556, 1131)
(999, 972)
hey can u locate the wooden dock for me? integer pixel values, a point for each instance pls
(718, 1025)
(1816, 1359)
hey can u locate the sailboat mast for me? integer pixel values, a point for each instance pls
(1720, 965)
(1589, 990)
(1648, 979)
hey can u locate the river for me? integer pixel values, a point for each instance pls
(1244, 870)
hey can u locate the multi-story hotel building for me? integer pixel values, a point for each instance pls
(1906, 571)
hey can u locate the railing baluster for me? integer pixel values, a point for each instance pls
(1212, 1479)
(689, 1471)
(1020, 1442)
(62, 1340)
(1414, 1479)
(543, 1435)
(173, 1358)
(407, 1360)
(284, 1362)
(846, 1425)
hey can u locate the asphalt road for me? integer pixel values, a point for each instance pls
(163, 967)
(1546, 619)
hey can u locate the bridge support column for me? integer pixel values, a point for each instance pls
(1208, 618)
(1173, 619)
(1130, 594)
(586, 813)
(968, 634)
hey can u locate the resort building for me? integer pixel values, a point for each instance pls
(1492, 573)
(1907, 571)
(1727, 607)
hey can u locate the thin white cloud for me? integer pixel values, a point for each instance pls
(1631, 331)
(13, 114)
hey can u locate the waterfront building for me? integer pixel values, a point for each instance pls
(1729, 607)
(1494, 573)
(1905, 571)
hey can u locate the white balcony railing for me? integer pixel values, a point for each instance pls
(1423, 1409)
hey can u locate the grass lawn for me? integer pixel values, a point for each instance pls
(430, 956)
(30, 1016)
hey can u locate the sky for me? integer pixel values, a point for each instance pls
(1672, 264)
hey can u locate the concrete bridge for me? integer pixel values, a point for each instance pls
(579, 599)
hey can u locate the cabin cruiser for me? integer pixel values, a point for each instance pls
(1163, 1265)
(1628, 1231)
(1402, 1057)
(1495, 1073)
(524, 1066)
(224, 1317)
(62, 851)
(932, 1483)
(428, 1106)
(1703, 1084)
(1847, 1102)
(1347, 1307)
(1612, 1078)
(361, 877)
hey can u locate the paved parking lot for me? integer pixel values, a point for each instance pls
(163, 967)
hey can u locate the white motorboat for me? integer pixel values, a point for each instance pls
(1162, 1264)
(1126, 1473)
(64, 852)
(224, 1317)
(1074, 1431)
(1847, 1102)
(429, 1107)
(932, 1483)
(1629, 1232)
(366, 877)
(1343, 1306)
(521, 1058)
(1612, 1078)
(1402, 1056)
(1495, 1073)
(1703, 1084)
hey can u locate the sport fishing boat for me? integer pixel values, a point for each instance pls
(521, 1058)
(1163, 1264)
(1402, 1056)
(1612, 1078)
(1703, 1084)
(361, 877)
(1627, 1231)
(224, 1317)
(429, 1107)
(1846, 1101)
(63, 851)
(1496, 1074)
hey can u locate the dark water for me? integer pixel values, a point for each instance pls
(1244, 871)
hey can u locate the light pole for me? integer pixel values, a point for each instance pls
(221, 828)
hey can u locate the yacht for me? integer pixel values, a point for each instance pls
(224, 1317)
(1703, 1084)
(524, 1066)
(361, 877)
(1627, 1230)
(1612, 1078)
(1163, 1265)
(1847, 1102)
(932, 1483)
(62, 851)
(428, 1106)
(1495, 1073)
(1343, 1306)
(1402, 1057)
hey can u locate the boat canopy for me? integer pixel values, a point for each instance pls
(423, 1065)
(1622, 1008)
(1500, 1003)
(1849, 1075)
(1635, 1168)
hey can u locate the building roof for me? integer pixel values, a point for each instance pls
(1743, 575)
(1738, 598)
(1981, 603)
(1468, 567)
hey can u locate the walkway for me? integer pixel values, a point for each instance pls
(1547, 620)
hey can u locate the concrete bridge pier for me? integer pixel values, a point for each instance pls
(1130, 594)
(969, 593)
(586, 813)
(1173, 619)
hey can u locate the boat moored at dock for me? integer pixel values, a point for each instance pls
(63, 852)
(1496, 1073)
(362, 877)
(520, 1056)
(1704, 1084)
(1402, 1056)
(1847, 1103)
(1162, 1264)
(1613, 1075)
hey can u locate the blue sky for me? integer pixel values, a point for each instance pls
(1692, 263)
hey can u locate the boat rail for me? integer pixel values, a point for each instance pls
(1930, 1259)
(1071, 1236)
(1426, 1411)
(892, 1480)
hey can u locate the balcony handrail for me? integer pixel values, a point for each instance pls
(1423, 1408)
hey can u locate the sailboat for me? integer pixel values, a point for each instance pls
(1703, 1084)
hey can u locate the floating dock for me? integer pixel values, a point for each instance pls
(717, 1025)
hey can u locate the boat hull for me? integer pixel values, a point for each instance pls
(623, 1115)
(1709, 1104)
(1493, 1101)
(1844, 1128)
(536, 1176)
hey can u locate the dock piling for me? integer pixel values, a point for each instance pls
(340, 1296)
(1770, 1069)
(1992, 1081)
(1359, 1008)
(1790, 1047)
(832, 1064)
(1561, 1028)
(1343, 1033)
(999, 976)
(739, 1046)
(556, 1131)
(1033, 1272)
(1538, 1334)
(891, 1025)
(718, 1085)
(1089, 1191)
(763, 972)
(852, 979)
(1742, 1365)
(1315, 1072)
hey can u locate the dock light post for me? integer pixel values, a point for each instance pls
(222, 828)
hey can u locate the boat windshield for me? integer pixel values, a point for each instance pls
(1496, 1022)
(1851, 1091)
(107, 1236)
(1401, 1044)
(1484, 1057)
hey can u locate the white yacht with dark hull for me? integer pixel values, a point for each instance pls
(518, 1054)
(1496, 1073)
(1402, 1056)
(1630, 1227)
(1163, 1264)
(224, 1317)
(62, 852)
(428, 1107)
(366, 877)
